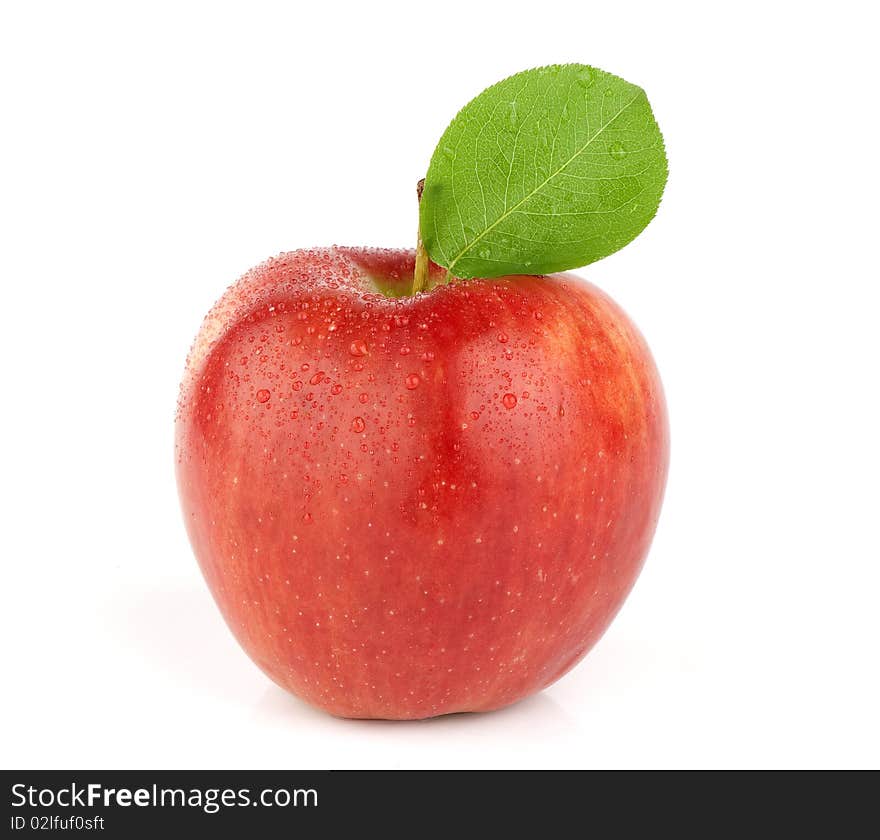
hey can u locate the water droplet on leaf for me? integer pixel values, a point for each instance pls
(585, 77)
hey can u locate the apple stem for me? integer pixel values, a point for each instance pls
(420, 274)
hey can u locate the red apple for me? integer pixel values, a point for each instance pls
(407, 506)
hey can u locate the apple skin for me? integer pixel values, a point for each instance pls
(408, 507)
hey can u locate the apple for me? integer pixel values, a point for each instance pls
(413, 505)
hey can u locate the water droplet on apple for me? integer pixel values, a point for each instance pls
(307, 518)
(362, 398)
(358, 425)
(317, 378)
(509, 400)
(336, 389)
(405, 351)
(502, 338)
(358, 348)
(263, 395)
(412, 381)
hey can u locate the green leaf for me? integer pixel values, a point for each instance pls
(551, 169)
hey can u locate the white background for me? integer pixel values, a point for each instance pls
(150, 154)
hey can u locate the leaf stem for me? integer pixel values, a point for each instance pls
(420, 273)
